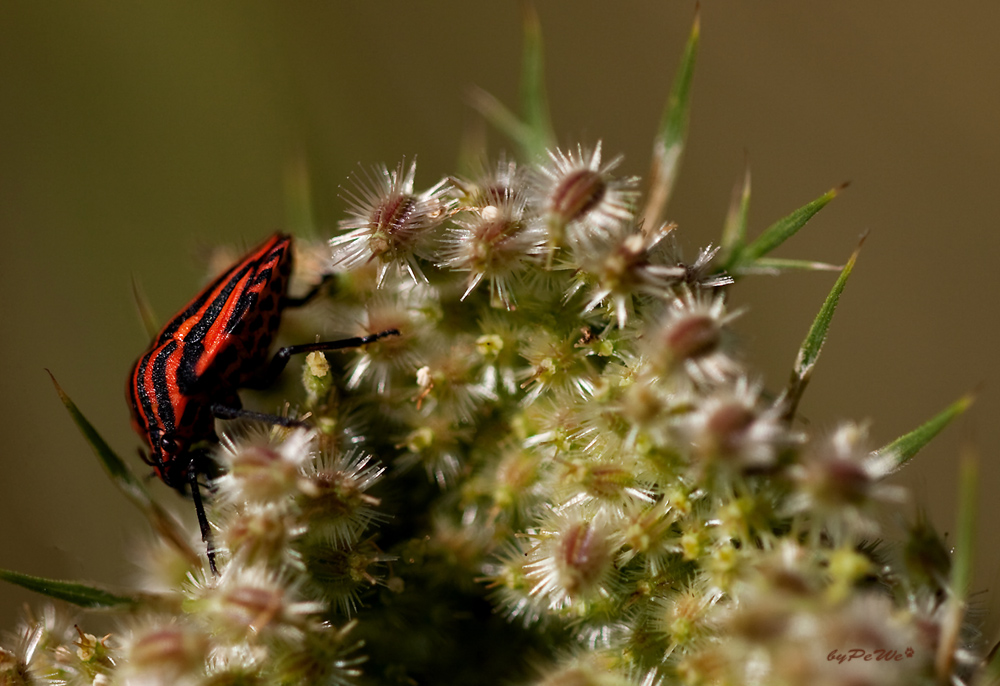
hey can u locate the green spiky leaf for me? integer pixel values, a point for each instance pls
(993, 668)
(150, 322)
(126, 482)
(734, 231)
(472, 148)
(774, 265)
(534, 100)
(744, 259)
(298, 198)
(120, 474)
(908, 445)
(80, 594)
(501, 118)
(965, 534)
(813, 344)
(669, 142)
(532, 132)
(956, 601)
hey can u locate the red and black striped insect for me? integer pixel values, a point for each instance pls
(219, 343)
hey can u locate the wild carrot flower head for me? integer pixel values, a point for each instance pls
(334, 495)
(412, 310)
(436, 443)
(251, 603)
(165, 651)
(555, 361)
(562, 416)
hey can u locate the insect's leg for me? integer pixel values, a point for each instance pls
(313, 292)
(145, 457)
(220, 411)
(281, 357)
(199, 507)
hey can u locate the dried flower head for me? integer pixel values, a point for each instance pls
(556, 362)
(495, 242)
(840, 480)
(438, 444)
(575, 191)
(412, 310)
(263, 467)
(251, 602)
(450, 382)
(164, 652)
(730, 429)
(691, 337)
(572, 560)
(261, 533)
(334, 497)
(622, 264)
(387, 221)
(512, 591)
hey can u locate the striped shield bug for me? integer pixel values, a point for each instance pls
(217, 344)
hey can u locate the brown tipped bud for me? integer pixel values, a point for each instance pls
(168, 652)
(693, 336)
(251, 607)
(576, 194)
(583, 557)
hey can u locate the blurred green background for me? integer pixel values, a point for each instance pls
(133, 135)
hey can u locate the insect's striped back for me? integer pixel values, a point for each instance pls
(217, 343)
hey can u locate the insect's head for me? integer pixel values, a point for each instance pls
(166, 451)
(169, 458)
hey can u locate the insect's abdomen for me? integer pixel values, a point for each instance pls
(226, 340)
(237, 346)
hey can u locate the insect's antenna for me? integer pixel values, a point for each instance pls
(206, 532)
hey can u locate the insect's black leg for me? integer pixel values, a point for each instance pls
(281, 357)
(199, 507)
(226, 412)
(313, 292)
(145, 457)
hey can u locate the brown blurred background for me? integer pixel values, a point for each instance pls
(134, 134)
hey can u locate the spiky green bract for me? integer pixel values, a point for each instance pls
(82, 595)
(734, 231)
(534, 101)
(773, 265)
(150, 322)
(126, 482)
(908, 445)
(669, 142)
(743, 259)
(949, 657)
(961, 571)
(532, 132)
(298, 197)
(811, 347)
